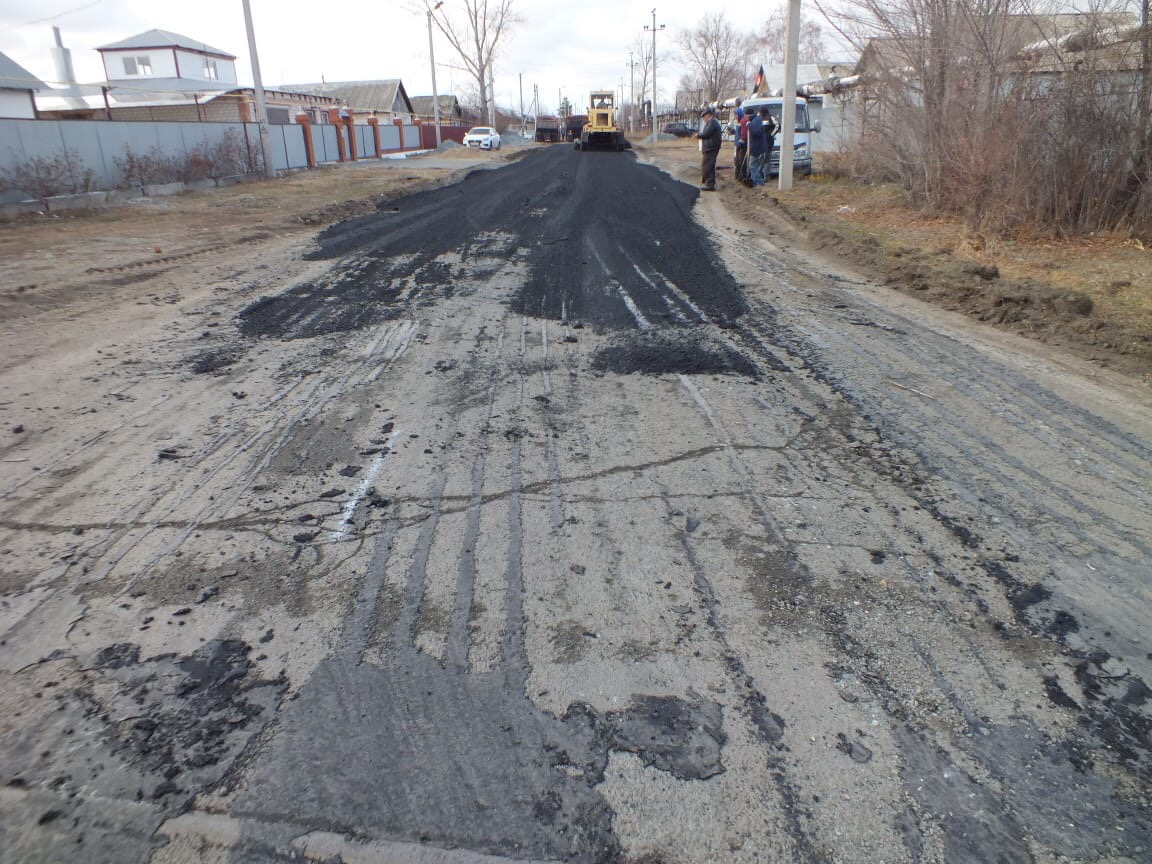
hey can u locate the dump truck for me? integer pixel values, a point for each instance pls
(602, 130)
(547, 128)
(574, 125)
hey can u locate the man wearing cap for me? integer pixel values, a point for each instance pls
(709, 136)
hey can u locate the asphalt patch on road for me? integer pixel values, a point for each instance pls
(429, 755)
(213, 361)
(194, 713)
(122, 744)
(602, 239)
(668, 355)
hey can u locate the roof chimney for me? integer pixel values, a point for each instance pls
(62, 60)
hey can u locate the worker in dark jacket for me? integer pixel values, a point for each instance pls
(757, 144)
(739, 130)
(709, 136)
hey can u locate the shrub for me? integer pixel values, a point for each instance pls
(988, 111)
(145, 169)
(62, 173)
(230, 155)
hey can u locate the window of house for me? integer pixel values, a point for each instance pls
(210, 70)
(141, 65)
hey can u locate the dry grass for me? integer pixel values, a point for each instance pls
(1091, 295)
(1115, 272)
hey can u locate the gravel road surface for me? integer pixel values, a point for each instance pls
(557, 515)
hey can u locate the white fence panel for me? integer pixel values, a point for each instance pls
(291, 147)
(365, 143)
(389, 137)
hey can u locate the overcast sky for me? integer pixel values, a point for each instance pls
(561, 48)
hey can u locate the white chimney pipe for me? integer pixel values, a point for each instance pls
(62, 60)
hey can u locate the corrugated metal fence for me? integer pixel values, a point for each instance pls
(103, 148)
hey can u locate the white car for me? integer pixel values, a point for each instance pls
(484, 137)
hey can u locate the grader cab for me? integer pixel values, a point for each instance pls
(602, 131)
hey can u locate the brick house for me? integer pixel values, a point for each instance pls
(160, 75)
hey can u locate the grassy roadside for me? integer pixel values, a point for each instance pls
(1090, 296)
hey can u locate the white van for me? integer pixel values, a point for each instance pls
(805, 128)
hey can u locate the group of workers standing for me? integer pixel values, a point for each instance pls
(755, 133)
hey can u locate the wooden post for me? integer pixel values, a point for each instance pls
(334, 118)
(304, 121)
(374, 122)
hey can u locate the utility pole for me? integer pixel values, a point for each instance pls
(258, 89)
(523, 121)
(432, 63)
(632, 101)
(788, 109)
(492, 94)
(654, 28)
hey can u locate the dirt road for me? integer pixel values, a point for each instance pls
(557, 516)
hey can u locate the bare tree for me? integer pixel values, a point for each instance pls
(774, 34)
(642, 57)
(716, 54)
(1011, 115)
(475, 29)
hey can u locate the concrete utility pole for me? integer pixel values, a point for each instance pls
(432, 63)
(632, 100)
(523, 120)
(654, 28)
(492, 96)
(788, 109)
(258, 89)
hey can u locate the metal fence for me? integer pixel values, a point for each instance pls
(101, 148)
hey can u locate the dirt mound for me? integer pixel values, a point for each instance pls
(1048, 291)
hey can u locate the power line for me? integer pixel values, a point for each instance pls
(55, 17)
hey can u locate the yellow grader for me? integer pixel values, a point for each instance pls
(602, 130)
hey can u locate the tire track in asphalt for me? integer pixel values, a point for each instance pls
(132, 526)
(1027, 588)
(448, 780)
(1062, 421)
(456, 650)
(769, 725)
(992, 748)
(405, 630)
(981, 827)
(1112, 454)
(942, 420)
(265, 443)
